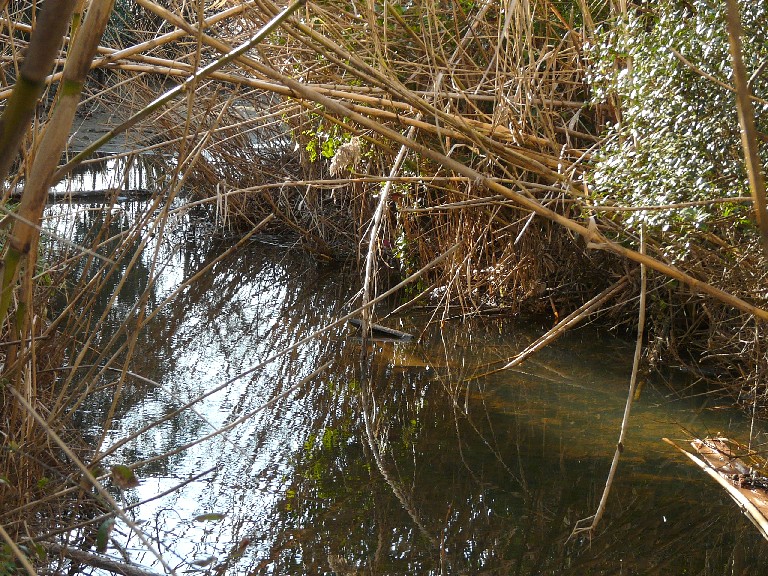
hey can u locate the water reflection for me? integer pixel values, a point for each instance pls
(121, 174)
(408, 462)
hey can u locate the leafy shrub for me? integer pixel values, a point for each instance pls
(678, 139)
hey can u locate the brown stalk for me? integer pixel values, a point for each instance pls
(112, 55)
(98, 561)
(43, 48)
(186, 86)
(25, 233)
(747, 121)
(593, 521)
(88, 475)
(481, 131)
(499, 138)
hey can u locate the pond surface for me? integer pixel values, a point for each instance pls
(433, 465)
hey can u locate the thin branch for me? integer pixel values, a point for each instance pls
(98, 561)
(595, 520)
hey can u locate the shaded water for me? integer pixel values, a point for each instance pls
(433, 468)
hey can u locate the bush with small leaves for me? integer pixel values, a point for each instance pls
(678, 139)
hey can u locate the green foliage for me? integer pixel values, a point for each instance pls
(124, 477)
(102, 534)
(679, 138)
(210, 517)
(322, 141)
(8, 561)
(122, 22)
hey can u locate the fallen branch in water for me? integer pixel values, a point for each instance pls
(742, 496)
(565, 324)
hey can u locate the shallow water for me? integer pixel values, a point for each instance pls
(418, 460)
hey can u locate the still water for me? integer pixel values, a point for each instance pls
(433, 465)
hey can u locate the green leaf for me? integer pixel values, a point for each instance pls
(102, 535)
(39, 551)
(124, 477)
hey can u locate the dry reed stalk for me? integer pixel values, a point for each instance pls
(20, 251)
(186, 86)
(747, 121)
(18, 554)
(751, 511)
(89, 477)
(589, 525)
(566, 324)
(43, 48)
(57, 417)
(98, 561)
(340, 51)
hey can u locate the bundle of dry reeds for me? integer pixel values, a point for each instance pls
(498, 90)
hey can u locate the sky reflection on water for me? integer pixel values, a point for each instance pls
(426, 468)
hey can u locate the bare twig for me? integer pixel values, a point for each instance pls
(593, 521)
(98, 561)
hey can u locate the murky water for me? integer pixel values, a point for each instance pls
(434, 466)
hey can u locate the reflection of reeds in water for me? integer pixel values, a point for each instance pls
(103, 347)
(434, 472)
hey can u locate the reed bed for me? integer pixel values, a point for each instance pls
(501, 93)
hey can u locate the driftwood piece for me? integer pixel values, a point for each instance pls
(738, 470)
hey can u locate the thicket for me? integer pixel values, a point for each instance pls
(524, 149)
(673, 164)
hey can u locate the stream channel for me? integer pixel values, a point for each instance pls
(434, 468)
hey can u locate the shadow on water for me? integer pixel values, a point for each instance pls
(426, 467)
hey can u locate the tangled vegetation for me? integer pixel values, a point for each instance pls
(673, 163)
(530, 156)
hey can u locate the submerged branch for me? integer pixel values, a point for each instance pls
(563, 326)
